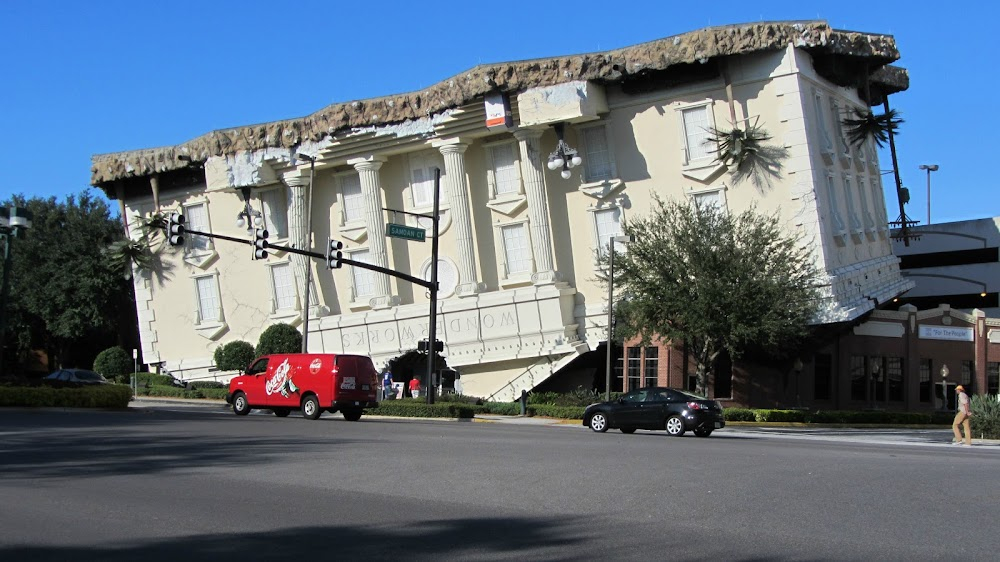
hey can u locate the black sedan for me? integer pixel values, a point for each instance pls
(81, 376)
(657, 408)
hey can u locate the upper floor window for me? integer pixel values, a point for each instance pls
(845, 149)
(851, 209)
(352, 198)
(831, 192)
(197, 219)
(517, 250)
(364, 279)
(283, 284)
(715, 197)
(607, 224)
(697, 124)
(824, 134)
(422, 172)
(275, 203)
(209, 307)
(598, 158)
(866, 209)
(505, 171)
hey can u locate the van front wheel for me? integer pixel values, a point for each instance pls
(310, 408)
(241, 406)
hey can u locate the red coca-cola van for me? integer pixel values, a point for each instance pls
(312, 382)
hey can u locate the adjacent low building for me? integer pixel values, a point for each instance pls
(522, 294)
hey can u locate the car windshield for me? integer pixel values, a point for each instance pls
(89, 376)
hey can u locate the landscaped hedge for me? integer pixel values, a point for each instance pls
(838, 416)
(416, 408)
(176, 392)
(90, 396)
(562, 412)
(151, 379)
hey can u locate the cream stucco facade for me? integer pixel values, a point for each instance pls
(521, 294)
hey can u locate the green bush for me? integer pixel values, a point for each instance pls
(279, 338)
(90, 396)
(985, 421)
(779, 415)
(416, 408)
(561, 412)
(175, 392)
(578, 397)
(739, 414)
(202, 385)
(502, 408)
(114, 363)
(459, 399)
(151, 379)
(235, 356)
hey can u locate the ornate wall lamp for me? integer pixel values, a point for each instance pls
(564, 156)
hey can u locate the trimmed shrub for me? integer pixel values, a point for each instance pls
(279, 338)
(415, 408)
(985, 421)
(89, 396)
(234, 356)
(578, 397)
(114, 363)
(458, 399)
(561, 412)
(779, 415)
(175, 392)
(503, 408)
(151, 379)
(202, 385)
(739, 414)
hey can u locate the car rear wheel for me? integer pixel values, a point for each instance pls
(241, 406)
(675, 426)
(352, 415)
(628, 430)
(599, 422)
(282, 412)
(703, 431)
(310, 408)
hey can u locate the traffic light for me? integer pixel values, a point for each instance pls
(175, 229)
(260, 243)
(334, 255)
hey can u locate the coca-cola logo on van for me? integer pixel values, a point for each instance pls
(315, 365)
(281, 381)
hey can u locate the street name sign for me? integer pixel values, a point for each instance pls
(405, 232)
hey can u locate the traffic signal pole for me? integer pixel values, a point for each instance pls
(432, 329)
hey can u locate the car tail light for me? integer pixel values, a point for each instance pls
(695, 406)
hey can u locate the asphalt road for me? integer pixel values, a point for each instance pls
(176, 483)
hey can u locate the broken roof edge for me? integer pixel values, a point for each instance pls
(605, 66)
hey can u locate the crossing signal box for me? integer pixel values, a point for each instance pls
(259, 243)
(334, 255)
(422, 345)
(175, 229)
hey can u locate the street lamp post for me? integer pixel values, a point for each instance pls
(875, 370)
(944, 387)
(611, 306)
(930, 168)
(14, 221)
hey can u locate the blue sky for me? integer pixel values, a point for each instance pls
(83, 78)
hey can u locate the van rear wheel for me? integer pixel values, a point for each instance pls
(310, 408)
(352, 414)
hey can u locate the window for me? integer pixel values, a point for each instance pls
(597, 161)
(831, 192)
(209, 309)
(878, 201)
(859, 380)
(838, 127)
(422, 179)
(851, 209)
(993, 378)
(926, 367)
(197, 219)
(723, 375)
(826, 145)
(364, 279)
(617, 361)
(866, 210)
(968, 381)
(517, 253)
(283, 284)
(608, 224)
(352, 200)
(711, 197)
(894, 378)
(652, 366)
(275, 203)
(447, 277)
(822, 377)
(634, 368)
(505, 176)
(695, 121)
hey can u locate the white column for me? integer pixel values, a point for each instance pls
(371, 189)
(298, 235)
(532, 172)
(457, 189)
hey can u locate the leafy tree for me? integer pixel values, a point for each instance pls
(279, 338)
(715, 280)
(63, 297)
(234, 356)
(114, 363)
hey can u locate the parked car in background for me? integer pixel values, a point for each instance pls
(676, 411)
(81, 376)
